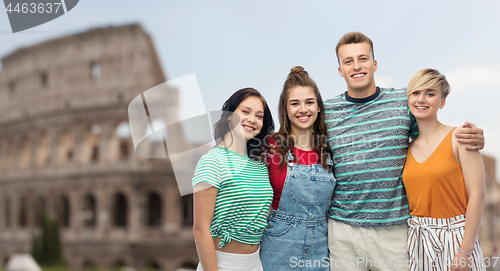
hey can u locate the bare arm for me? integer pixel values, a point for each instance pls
(204, 199)
(471, 136)
(473, 171)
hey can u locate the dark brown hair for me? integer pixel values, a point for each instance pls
(299, 77)
(221, 128)
(353, 38)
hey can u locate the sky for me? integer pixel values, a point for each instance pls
(230, 45)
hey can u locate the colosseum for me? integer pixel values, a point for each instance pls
(66, 150)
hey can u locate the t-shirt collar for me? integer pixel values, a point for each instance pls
(362, 100)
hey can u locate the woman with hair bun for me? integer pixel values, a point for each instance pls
(302, 180)
(232, 193)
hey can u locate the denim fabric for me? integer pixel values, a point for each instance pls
(296, 234)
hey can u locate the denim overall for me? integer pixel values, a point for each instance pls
(296, 237)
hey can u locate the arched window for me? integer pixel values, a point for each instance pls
(44, 78)
(66, 146)
(12, 87)
(11, 156)
(154, 210)
(94, 142)
(40, 208)
(123, 133)
(119, 264)
(187, 210)
(2, 215)
(24, 155)
(43, 152)
(152, 265)
(120, 210)
(89, 264)
(22, 212)
(95, 70)
(2, 155)
(88, 213)
(91, 144)
(7, 213)
(63, 211)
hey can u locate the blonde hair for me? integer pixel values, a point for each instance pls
(426, 79)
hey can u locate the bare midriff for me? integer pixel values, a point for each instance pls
(235, 247)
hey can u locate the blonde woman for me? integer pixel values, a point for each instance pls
(444, 184)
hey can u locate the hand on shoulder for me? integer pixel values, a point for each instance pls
(470, 136)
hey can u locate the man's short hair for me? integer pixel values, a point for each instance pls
(352, 38)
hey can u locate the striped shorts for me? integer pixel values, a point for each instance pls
(433, 242)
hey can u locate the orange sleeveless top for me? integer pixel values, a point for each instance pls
(436, 188)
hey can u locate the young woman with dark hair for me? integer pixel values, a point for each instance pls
(232, 193)
(302, 180)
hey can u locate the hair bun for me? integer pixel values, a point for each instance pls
(297, 70)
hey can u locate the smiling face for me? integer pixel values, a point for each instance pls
(425, 104)
(357, 66)
(250, 118)
(302, 108)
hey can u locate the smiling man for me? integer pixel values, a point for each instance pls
(368, 132)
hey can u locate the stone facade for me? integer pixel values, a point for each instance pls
(489, 234)
(65, 149)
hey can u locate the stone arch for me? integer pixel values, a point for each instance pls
(43, 150)
(44, 79)
(121, 142)
(23, 217)
(118, 264)
(91, 146)
(2, 215)
(24, 153)
(66, 146)
(63, 211)
(40, 209)
(187, 210)
(11, 155)
(152, 265)
(88, 214)
(3, 147)
(7, 213)
(153, 210)
(95, 70)
(120, 210)
(89, 264)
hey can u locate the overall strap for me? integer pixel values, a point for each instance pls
(329, 160)
(289, 156)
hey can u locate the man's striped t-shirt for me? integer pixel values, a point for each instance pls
(369, 140)
(244, 196)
